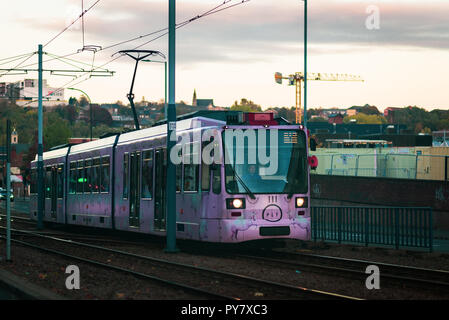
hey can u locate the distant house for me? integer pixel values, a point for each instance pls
(328, 113)
(389, 114)
(112, 108)
(25, 93)
(367, 109)
(205, 103)
(336, 118)
(18, 154)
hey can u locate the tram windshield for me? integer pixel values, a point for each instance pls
(265, 161)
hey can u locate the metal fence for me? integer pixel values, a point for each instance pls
(391, 226)
(391, 165)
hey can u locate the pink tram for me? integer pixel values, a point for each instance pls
(239, 177)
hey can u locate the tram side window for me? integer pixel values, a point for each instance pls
(205, 177)
(48, 185)
(191, 169)
(80, 177)
(216, 178)
(205, 172)
(179, 173)
(60, 182)
(178, 168)
(125, 175)
(33, 189)
(178, 177)
(88, 176)
(147, 174)
(104, 186)
(96, 175)
(72, 178)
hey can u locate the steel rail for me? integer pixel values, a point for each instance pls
(123, 270)
(257, 281)
(395, 274)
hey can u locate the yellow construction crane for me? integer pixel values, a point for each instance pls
(297, 79)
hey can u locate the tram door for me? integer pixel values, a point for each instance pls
(53, 191)
(134, 189)
(159, 188)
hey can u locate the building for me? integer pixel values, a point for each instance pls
(25, 93)
(354, 110)
(336, 118)
(202, 103)
(327, 113)
(389, 114)
(18, 155)
(14, 137)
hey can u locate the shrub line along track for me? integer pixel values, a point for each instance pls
(418, 277)
(259, 284)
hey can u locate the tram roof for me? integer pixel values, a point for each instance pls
(182, 125)
(52, 154)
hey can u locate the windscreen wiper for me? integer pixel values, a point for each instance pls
(252, 196)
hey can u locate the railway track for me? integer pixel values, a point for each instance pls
(389, 273)
(65, 234)
(206, 281)
(395, 274)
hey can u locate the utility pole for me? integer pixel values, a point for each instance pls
(171, 128)
(305, 63)
(40, 149)
(8, 190)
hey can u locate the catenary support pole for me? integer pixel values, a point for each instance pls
(171, 128)
(165, 99)
(305, 63)
(40, 149)
(8, 190)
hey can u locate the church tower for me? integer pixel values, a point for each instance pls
(14, 137)
(194, 98)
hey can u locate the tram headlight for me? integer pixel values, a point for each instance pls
(237, 203)
(301, 202)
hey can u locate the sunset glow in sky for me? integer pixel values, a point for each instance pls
(234, 54)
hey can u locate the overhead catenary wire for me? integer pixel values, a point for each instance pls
(214, 10)
(66, 28)
(181, 24)
(18, 65)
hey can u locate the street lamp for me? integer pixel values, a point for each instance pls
(165, 99)
(90, 108)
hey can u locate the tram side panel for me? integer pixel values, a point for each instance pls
(89, 188)
(53, 182)
(134, 200)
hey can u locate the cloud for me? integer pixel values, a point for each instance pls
(260, 30)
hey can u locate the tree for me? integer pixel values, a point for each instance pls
(317, 119)
(67, 112)
(73, 101)
(246, 106)
(83, 101)
(362, 118)
(56, 131)
(370, 110)
(101, 116)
